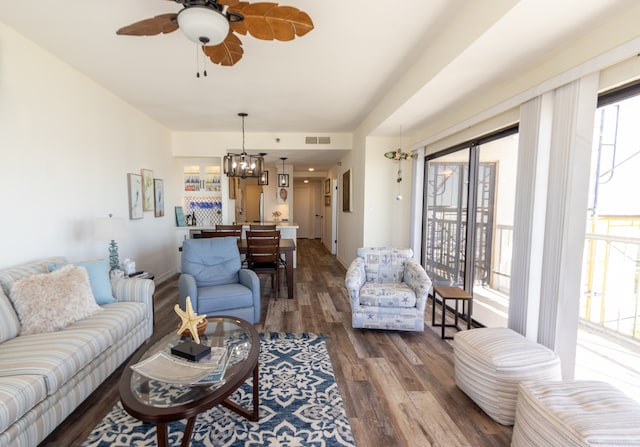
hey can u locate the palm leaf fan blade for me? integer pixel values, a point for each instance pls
(164, 23)
(227, 53)
(269, 21)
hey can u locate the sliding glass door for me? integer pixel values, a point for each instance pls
(468, 221)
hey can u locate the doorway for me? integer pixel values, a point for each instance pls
(252, 202)
(306, 208)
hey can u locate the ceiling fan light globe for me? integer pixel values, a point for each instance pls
(202, 25)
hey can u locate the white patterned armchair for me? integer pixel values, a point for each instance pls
(387, 289)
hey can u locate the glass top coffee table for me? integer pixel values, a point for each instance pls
(160, 402)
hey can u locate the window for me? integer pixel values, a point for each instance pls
(609, 331)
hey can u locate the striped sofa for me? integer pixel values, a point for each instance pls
(44, 377)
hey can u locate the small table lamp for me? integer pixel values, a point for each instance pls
(110, 228)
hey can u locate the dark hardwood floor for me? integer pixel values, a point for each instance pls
(398, 388)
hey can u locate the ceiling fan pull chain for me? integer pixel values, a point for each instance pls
(198, 63)
(204, 65)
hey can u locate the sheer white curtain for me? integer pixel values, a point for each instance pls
(550, 219)
(529, 219)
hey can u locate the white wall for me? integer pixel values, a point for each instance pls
(66, 145)
(387, 202)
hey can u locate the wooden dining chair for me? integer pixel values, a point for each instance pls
(262, 227)
(268, 227)
(237, 229)
(263, 254)
(207, 234)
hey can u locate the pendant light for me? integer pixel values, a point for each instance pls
(283, 179)
(243, 165)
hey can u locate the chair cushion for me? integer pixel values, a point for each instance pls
(211, 261)
(387, 294)
(383, 264)
(223, 297)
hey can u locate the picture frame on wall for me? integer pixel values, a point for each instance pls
(147, 189)
(134, 187)
(327, 186)
(347, 206)
(158, 194)
(181, 221)
(327, 200)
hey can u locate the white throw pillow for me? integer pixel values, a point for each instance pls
(48, 302)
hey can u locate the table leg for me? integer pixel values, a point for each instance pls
(289, 270)
(256, 396)
(433, 311)
(443, 315)
(162, 435)
(253, 416)
(188, 430)
(456, 315)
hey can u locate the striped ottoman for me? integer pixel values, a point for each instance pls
(490, 363)
(575, 413)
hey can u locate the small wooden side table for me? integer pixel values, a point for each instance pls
(451, 293)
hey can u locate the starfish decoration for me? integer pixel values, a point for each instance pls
(190, 320)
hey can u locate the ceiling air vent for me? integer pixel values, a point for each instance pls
(317, 140)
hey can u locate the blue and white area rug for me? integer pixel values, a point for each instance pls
(300, 405)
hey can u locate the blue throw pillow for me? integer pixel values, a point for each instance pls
(98, 278)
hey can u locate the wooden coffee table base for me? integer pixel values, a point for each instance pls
(162, 430)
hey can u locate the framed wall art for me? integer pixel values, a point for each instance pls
(181, 221)
(327, 200)
(147, 189)
(134, 186)
(158, 193)
(327, 186)
(347, 206)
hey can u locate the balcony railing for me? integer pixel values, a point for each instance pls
(611, 275)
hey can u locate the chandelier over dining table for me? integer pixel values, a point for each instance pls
(243, 165)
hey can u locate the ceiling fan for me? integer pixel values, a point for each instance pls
(214, 24)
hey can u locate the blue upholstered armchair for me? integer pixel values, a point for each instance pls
(213, 278)
(387, 289)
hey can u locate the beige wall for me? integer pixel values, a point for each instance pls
(66, 145)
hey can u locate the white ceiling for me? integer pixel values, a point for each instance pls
(325, 82)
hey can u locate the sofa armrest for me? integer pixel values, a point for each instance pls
(187, 287)
(136, 290)
(416, 277)
(249, 279)
(354, 280)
